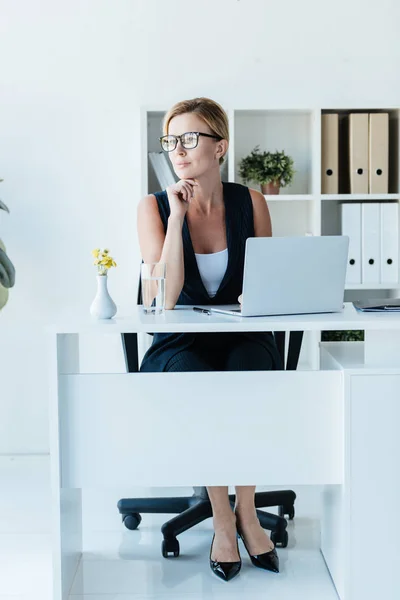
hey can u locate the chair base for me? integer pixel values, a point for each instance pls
(194, 509)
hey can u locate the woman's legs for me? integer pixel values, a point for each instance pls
(256, 538)
(246, 355)
(224, 521)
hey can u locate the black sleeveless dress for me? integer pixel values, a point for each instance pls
(239, 226)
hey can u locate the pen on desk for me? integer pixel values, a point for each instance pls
(202, 310)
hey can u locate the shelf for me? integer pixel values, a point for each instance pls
(289, 197)
(344, 158)
(358, 197)
(276, 130)
(372, 286)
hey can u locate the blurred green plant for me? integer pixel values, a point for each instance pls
(267, 167)
(356, 335)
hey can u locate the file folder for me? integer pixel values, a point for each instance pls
(378, 153)
(378, 305)
(358, 152)
(330, 154)
(389, 242)
(370, 242)
(162, 169)
(351, 226)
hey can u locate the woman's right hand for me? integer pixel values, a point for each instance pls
(180, 195)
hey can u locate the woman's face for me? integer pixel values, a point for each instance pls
(194, 162)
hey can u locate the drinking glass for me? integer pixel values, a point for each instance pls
(153, 287)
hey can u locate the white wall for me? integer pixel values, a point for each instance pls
(73, 76)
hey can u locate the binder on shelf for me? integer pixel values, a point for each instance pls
(378, 305)
(162, 169)
(370, 242)
(358, 152)
(378, 153)
(330, 154)
(351, 226)
(389, 242)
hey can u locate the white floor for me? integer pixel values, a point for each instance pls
(127, 565)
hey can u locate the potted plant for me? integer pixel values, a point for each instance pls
(272, 170)
(7, 270)
(356, 335)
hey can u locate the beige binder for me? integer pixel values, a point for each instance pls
(378, 153)
(330, 154)
(358, 152)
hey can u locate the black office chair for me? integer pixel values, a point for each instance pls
(192, 510)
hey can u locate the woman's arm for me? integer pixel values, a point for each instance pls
(262, 218)
(156, 246)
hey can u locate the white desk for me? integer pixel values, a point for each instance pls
(336, 427)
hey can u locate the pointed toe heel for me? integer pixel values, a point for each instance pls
(268, 560)
(224, 570)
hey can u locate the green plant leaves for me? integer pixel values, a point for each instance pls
(266, 167)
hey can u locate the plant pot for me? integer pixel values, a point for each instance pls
(270, 188)
(103, 306)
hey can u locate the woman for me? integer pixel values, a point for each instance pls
(198, 227)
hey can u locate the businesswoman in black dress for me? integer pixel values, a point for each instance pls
(198, 227)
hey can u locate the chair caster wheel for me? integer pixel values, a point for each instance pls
(282, 510)
(132, 521)
(170, 546)
(280, 539)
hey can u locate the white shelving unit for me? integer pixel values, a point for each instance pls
(301, 208)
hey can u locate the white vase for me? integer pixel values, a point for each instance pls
(103, 306)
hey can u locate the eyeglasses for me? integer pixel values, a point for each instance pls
(189, 140)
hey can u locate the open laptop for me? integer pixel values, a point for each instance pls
(291, 275)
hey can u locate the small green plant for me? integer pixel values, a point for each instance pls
(267, 167)
(356, 335)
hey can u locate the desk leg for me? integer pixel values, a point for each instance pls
(66, 503)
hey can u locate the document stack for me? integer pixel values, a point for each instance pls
(373, 229)
(162, 169)
(367, 153)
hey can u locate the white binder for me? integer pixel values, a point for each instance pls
(370, 242)
(351, 226)
(389, 242)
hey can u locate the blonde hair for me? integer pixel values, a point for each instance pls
(208, 110)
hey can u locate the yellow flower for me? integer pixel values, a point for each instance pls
(103, 260)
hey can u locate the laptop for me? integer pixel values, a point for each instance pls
(291, 276)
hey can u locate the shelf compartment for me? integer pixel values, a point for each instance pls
(394, 132)
(272, 130)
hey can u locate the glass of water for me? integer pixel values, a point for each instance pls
(153, 287)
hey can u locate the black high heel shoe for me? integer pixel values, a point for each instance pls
(268, 560)
(225, 570)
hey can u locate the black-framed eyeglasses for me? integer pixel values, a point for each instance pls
(189, 140)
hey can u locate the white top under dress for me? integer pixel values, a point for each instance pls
(212, 269)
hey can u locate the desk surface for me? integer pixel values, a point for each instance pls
(183, 318)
